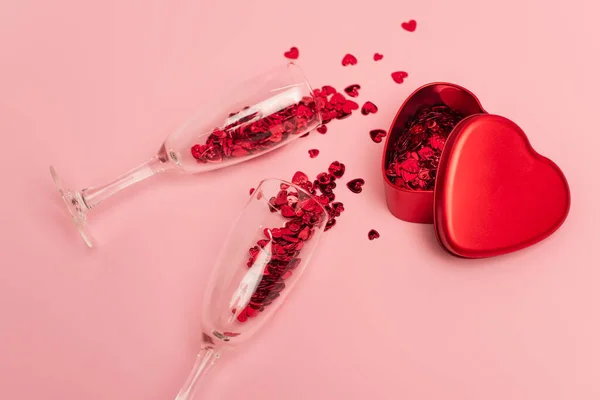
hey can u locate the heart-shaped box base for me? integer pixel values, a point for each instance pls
(493, 193)
(411, 205)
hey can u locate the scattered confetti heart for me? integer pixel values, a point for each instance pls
(355, 185)
(399, 76)
(292, 53)
(410, 26)
(337, 169)
(251, 191)
(313, 153)
(377, 135)
(377, 56)
(349, 59)
(368, 108)
(322, 129)
(352, 90)
(373, 234)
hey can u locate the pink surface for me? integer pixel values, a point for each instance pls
(93, 89)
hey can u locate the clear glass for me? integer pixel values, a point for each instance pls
(258, 116)
(263, 257)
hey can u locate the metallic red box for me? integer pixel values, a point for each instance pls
(493, 193)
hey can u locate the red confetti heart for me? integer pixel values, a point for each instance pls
(349, 59)
(337, 98)
(292, 53)
(313, 153)
(322, 129)
(327, 90)
(377, 56)
(368, 108)
(355, 185)
(299, 178)
(337, 169)
(377, 135)
(352, 90)
(348, 106)
(252, 190)
(410, 26)
(437, 142)
(399, 76)
(426, 153)
(373, 234)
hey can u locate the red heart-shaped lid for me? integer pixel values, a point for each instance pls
(494, 193)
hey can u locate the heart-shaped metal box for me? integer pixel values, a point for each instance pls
(493, 193)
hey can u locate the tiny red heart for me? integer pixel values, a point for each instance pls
(399, 76)
(328, 90)
(337, 169)
(337, 99)
(410, 26)
(349, 59)
(352, 90)
(373, 234)
(313, 153)
(292, 53)
(299, 178)
(368, 108)
(348, 106)
(322, 129)
(377, 135)
(377, 56)
(355, 185)
(251, 191)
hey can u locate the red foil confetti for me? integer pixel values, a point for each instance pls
(416, 154)
(332, 105)
(283, 245)
(313, 153)
(292, 53)
(352, 90)
(252, 191)
(377, 56)
(410, 26)
(377, 135)
(355, 185)
(399, 76)
(248, 132)
(368, 108)
(322, 129)
(373, 234)
(337, 169)
(349, 59)
(349, 106)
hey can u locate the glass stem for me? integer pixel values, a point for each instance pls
(94, 195)
(204, 361)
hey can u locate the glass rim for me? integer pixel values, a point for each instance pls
(299, 189)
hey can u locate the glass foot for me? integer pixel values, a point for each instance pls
(75, 205)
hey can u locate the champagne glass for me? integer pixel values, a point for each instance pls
(260, 115)
(265, 254)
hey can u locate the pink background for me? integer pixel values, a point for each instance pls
(94, 87)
